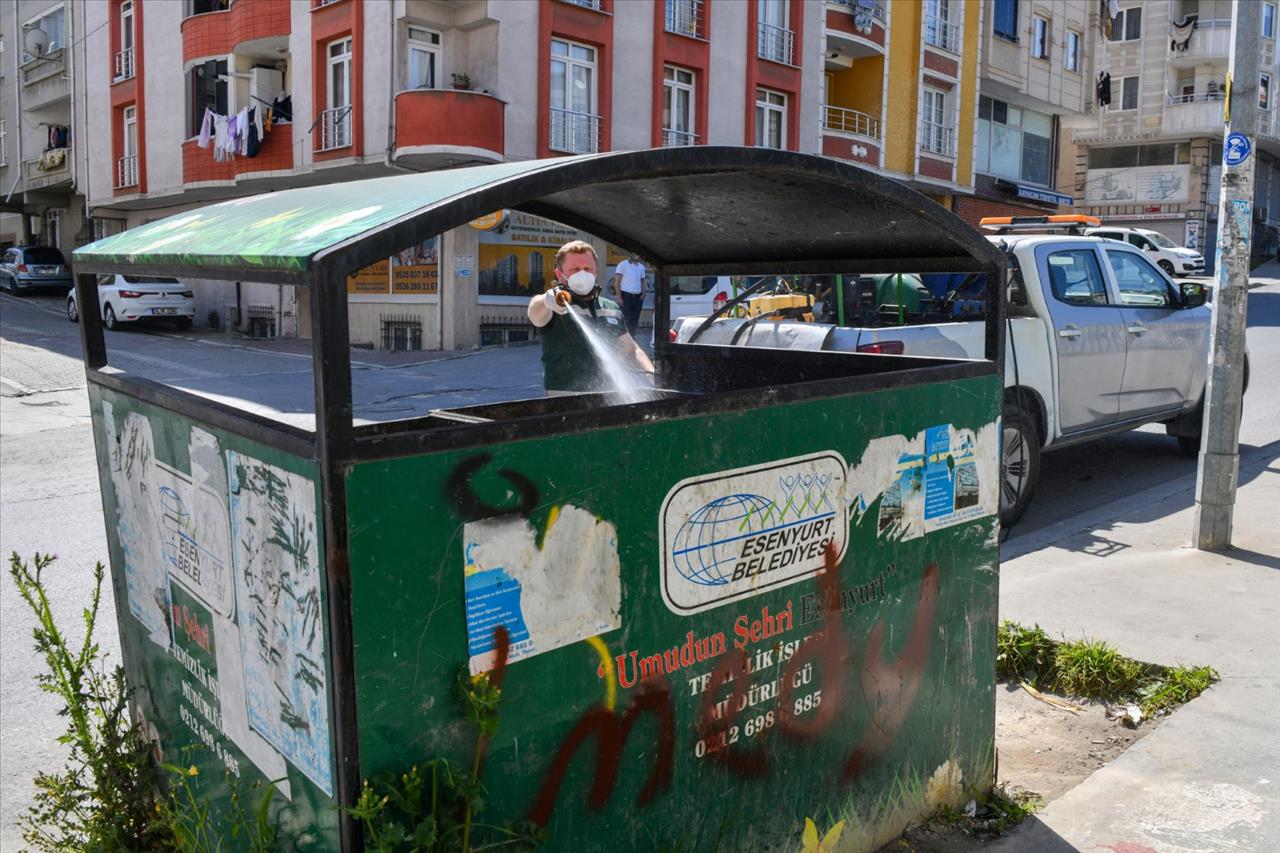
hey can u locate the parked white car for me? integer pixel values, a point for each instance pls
(1163, 252)
(699, 295)
(139, 298)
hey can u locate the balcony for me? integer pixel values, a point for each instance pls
(776, 44)
(273, 163)
(593, 5)
(851, 122)
(443, 127)
(335, 128)
(127, 172)
(850, 135)
(574, 132)
(50, 170)
(853, 31)
(1210, 43)
(937, 139)
(220, 32)
(124, 65)
(1194, 114)
(942, 34)
(686, 18)
(45, 80)
(678, 138)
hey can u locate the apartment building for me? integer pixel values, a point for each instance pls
(1154, 157)
(1034, 85)
(899, 90)
(39, 156)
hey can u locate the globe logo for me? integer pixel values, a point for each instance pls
(707, 545)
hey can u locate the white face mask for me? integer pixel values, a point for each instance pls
(582, 282)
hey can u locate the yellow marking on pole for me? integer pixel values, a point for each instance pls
(606, 664)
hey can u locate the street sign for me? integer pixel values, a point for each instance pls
(1236, 149)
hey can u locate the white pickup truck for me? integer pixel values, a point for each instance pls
(1099, 340)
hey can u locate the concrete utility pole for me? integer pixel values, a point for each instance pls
(1220, 441)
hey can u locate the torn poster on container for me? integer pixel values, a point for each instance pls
(940, 477)
(278, 581)
(566, 591)
(734, 534)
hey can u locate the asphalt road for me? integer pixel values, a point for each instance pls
(49, 499)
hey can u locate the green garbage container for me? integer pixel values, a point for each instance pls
(764, 597)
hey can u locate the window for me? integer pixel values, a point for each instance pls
(1127, 26)
(4, 146)
(1040, 37)
(127, 165)
(1071, 52)
(126, 25)
(1014, 143)
(684, 17)
(1005, 24)
(424, 58)
(207, 83)
(575, 127)
(935, 134)
(1268, 20)
(774, 41)
(677, 106)
(1139, 283)
(52, 24)
(771, 119)
(938, 29)
(1076, 279)
(335, 130)
(1124, 94)
(1126, 156)
(1264, 92)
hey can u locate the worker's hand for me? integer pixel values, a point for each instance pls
(553, 303)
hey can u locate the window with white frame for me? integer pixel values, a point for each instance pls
(124, 67)
(771, 119)
(52, 23)
(774, 39)
(207, 87)
(1264, 92)
(336, 120)
(1013, 142)
(1124, 93)
(4, 146)
(936, 134)
(1127, 26)
(677, 106)
(938, 29)
(575, 126)
(1268, 20)
(1071, 53)
(1040, 37)
(424, 58)
(127, 165)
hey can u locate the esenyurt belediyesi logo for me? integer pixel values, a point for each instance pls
(731, 534)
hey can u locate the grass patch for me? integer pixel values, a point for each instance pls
(1093, 669)
(994, 815)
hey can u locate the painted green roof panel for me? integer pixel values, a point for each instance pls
(283, 230)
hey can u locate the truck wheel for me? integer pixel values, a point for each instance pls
(1019, 463)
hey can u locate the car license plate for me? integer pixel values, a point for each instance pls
(164, 310)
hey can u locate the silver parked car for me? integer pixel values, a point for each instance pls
(26, 268)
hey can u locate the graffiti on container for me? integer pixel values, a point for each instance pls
(803, 702)
(471, 507)
(278, 577)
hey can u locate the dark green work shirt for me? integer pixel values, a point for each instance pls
(568, 364)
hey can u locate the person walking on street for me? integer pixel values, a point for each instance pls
(569, 365)
(628, 288)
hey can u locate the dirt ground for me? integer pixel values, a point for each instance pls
(1040, 749)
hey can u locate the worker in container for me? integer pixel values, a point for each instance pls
(569, 364)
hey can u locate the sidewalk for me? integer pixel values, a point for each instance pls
(1209, 777)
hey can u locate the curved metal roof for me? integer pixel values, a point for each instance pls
(701, 206)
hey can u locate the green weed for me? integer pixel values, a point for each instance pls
(995, 814)
(1095, 670)
(1025, 654)
(1175, 686)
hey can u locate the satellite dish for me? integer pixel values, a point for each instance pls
(35, 41)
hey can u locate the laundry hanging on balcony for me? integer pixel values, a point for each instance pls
(52, 159)
(235, 135)
(1180, 34)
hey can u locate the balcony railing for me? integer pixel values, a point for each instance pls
(335, 128)
(1193, 98)
(124, 64)
(850, 121)
(678, 138)
(685, 18)
(943, 34)
(586, 4)
(576, 133)
(127, 171)
(876, 7)
(937, 139)
(777, 44)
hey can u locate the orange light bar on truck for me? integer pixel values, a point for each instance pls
(1049, 222)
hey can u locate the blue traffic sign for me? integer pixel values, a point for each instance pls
(1236, 149)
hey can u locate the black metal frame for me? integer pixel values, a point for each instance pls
(336, 444)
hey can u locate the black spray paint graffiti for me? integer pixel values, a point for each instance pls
(470, 507)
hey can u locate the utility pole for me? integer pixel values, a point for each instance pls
(1220, 434)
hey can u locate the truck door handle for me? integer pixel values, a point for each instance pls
(1069, 332)
(1136, 329)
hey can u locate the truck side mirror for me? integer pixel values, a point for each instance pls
(1192, 294)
